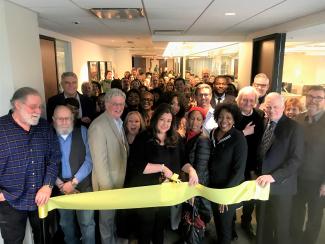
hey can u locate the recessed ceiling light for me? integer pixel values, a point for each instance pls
(118, 13)
(230, 14)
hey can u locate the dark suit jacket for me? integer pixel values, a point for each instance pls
(87, 106)
(228, 99)
(313, 167)
(284, 157)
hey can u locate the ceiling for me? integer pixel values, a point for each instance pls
(185, 20)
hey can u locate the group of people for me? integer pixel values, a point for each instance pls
(144, 134)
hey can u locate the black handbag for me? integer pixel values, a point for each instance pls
(192, 226)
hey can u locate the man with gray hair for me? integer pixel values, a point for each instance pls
(262, 84)
(29, 157)
(69, 83)
(109, 151)
(280, 155)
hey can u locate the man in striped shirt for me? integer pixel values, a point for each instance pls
(29, 157)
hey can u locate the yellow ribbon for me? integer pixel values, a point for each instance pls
(166, 194)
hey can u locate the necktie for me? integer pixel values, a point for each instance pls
(219, 100)
(267, 137)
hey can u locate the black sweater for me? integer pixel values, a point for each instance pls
(253, 140)
(228, 159)
(144, 150)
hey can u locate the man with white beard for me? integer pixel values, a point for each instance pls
(74, 175)
(29, 157)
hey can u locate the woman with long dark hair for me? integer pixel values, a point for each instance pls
(157, 154)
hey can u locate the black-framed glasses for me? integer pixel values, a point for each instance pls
(317, 98)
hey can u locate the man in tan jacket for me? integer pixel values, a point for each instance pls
(109, 151)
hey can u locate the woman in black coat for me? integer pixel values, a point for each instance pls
(227, 165)
(197, 149)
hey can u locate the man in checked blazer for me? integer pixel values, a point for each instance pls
(109, 152)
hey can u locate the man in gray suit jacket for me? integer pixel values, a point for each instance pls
(109, 151)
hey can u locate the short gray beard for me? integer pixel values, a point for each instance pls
(61, 132)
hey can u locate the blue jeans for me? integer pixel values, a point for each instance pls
(86, 223)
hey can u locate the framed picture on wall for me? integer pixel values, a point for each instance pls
(102, 70)
(93, 70)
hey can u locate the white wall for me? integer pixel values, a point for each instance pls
(123, 62)
(20, 59)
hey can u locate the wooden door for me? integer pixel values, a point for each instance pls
(49, 66)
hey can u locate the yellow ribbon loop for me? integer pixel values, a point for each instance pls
(175, 178)
(166, 194)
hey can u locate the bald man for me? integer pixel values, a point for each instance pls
(280, 155)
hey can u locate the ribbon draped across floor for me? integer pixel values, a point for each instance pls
(166, 194)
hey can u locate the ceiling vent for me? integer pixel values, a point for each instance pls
(118, 13)
(168, 32)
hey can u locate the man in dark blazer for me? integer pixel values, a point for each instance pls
(280, 155)
(310, 198)
(69, 83)
(219, 95)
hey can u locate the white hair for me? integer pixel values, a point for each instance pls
(247, 90)
(276, 96)
(114, 92)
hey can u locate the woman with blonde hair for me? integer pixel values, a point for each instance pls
(133, 125)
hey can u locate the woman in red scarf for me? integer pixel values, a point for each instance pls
(198, 152)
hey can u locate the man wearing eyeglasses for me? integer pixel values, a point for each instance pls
(311, 176)
(109, 151)
(203, 96)
(74, 174)
(29, 157)
(261, 84)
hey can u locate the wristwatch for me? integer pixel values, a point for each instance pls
(49, 185)
(74, 182)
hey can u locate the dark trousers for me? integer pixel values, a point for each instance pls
(223, 222)
(307, 202)
(13, 224)
(274, 220)
(248, 209)
(152, 223)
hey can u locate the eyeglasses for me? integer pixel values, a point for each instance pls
(203, 94)
(260, 85)
(63, 119)
(118, 104)
(317, 99)
(33, 106)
